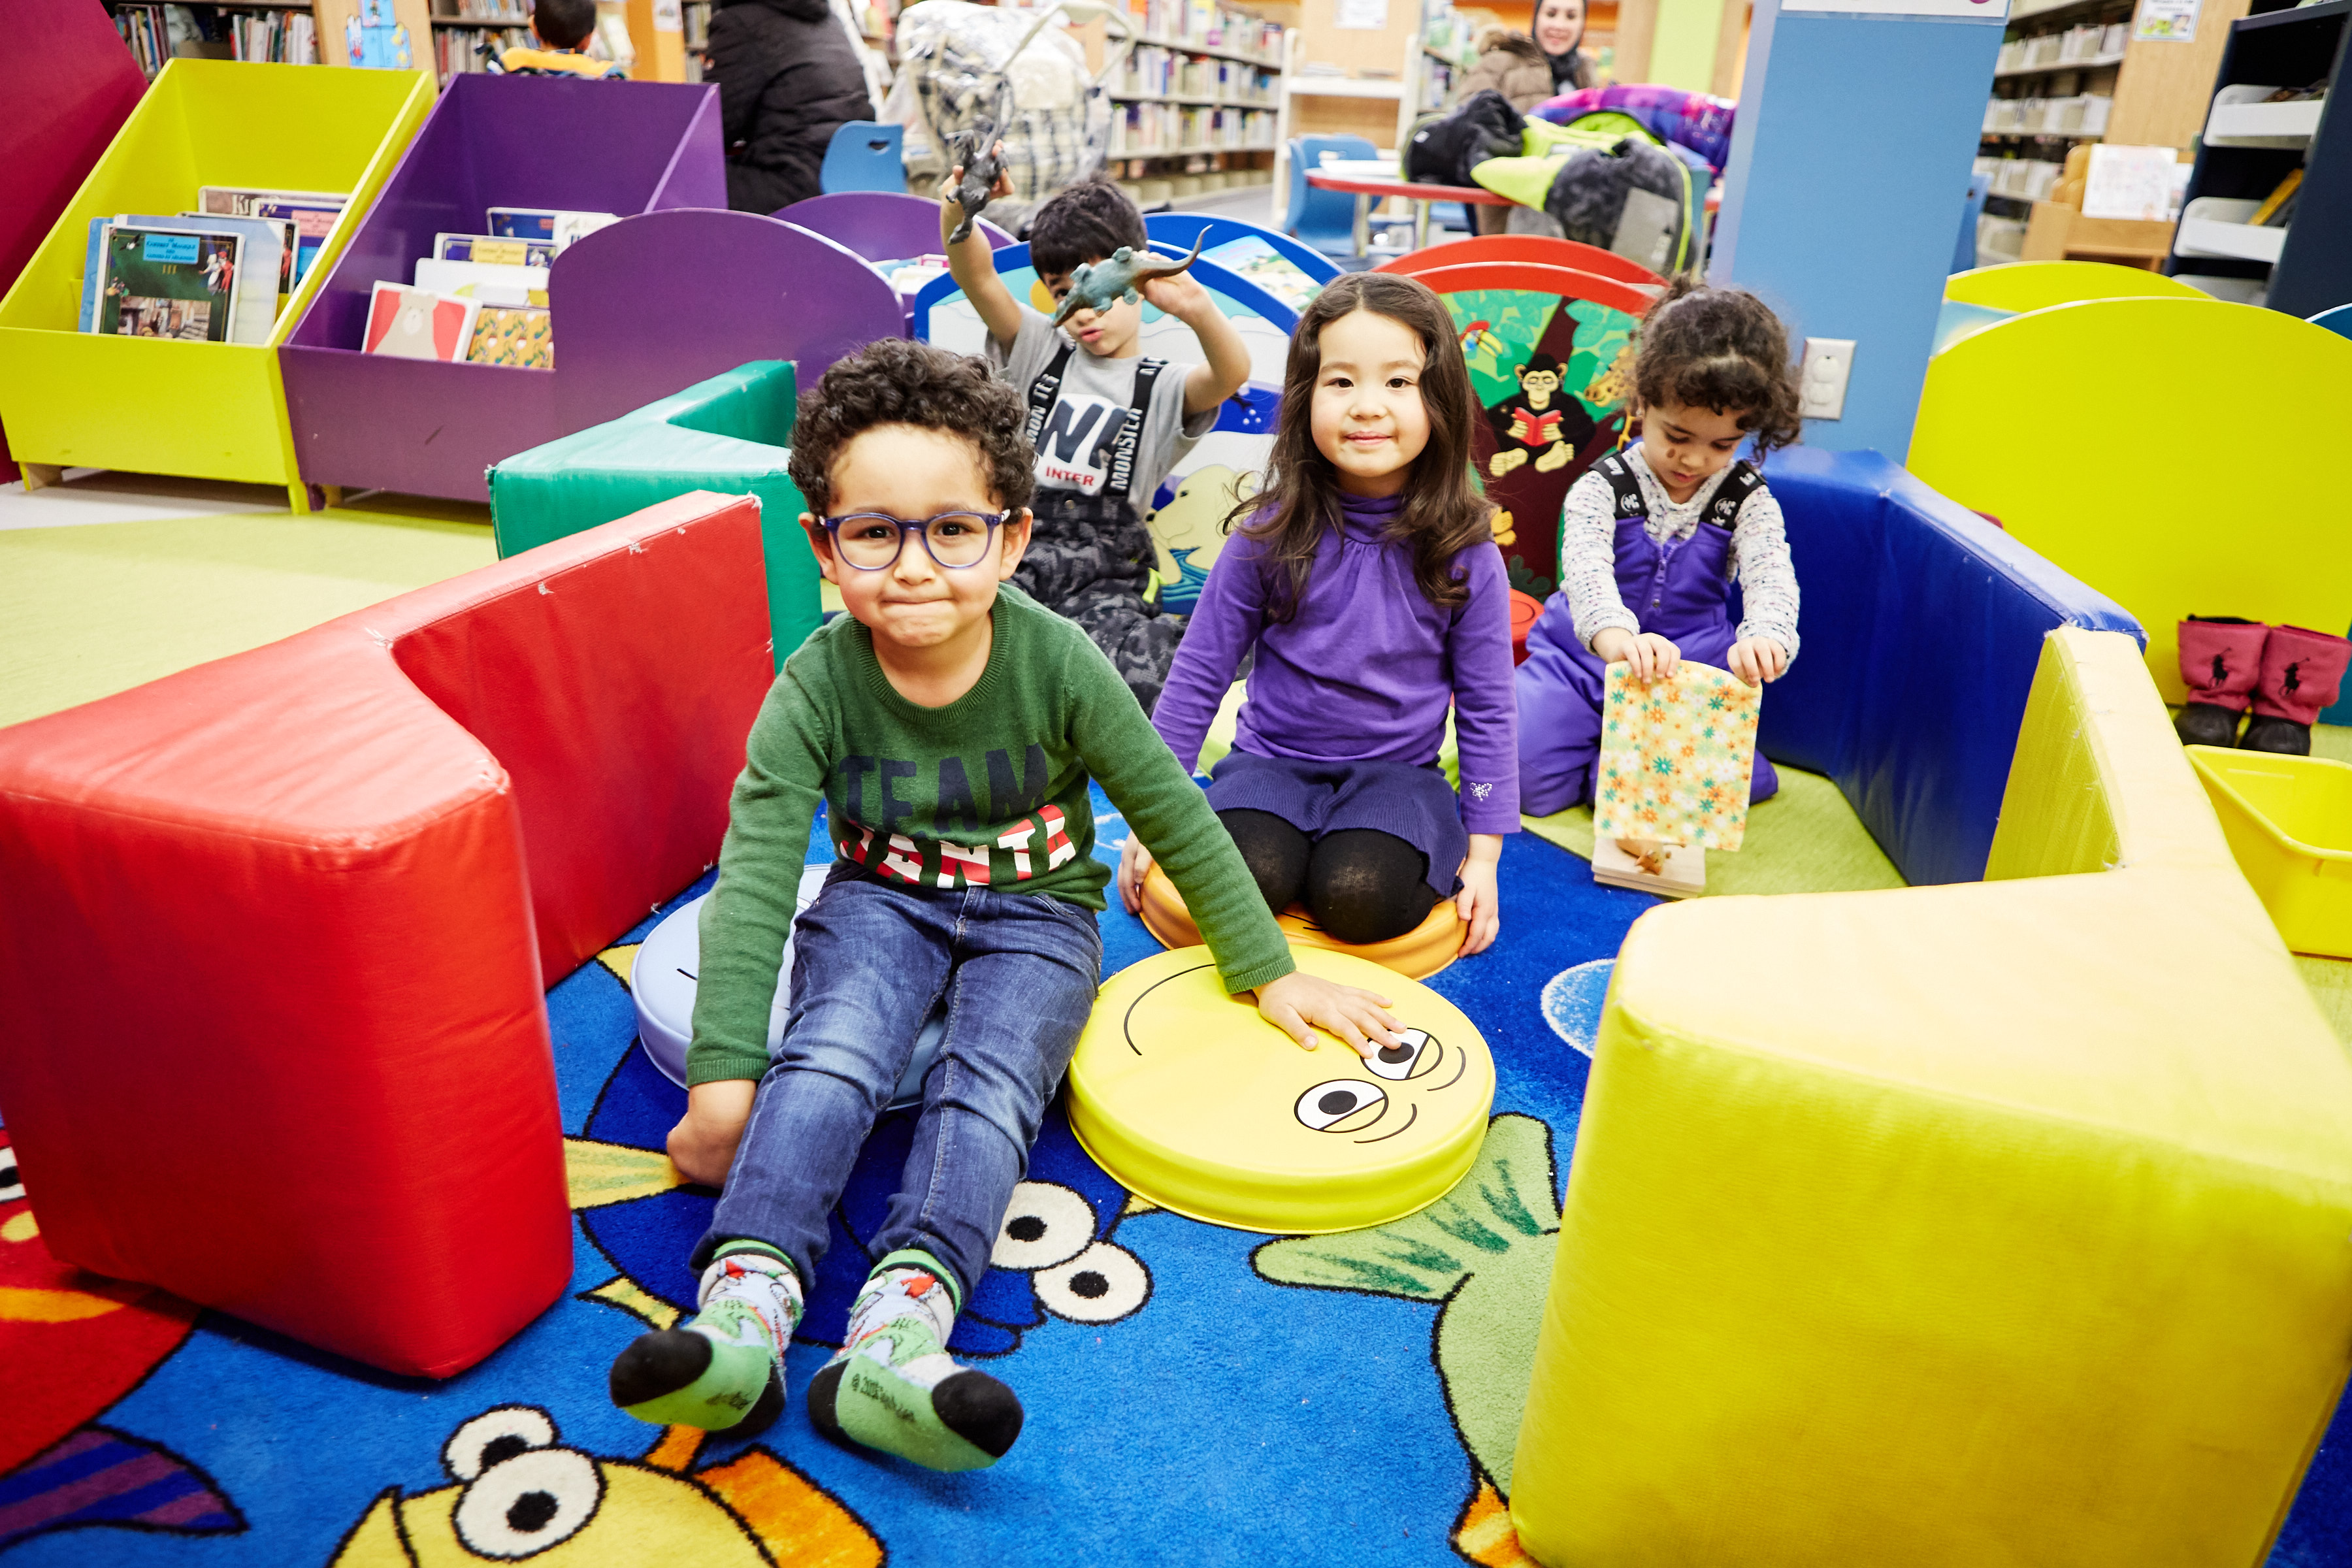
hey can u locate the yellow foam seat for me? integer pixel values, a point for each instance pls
(1990, 1224)
(1419, 954)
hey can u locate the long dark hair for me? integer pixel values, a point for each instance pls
(1721, 349)
(1444, 513)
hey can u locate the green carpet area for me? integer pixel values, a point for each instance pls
(89, 611)
(1805, 840)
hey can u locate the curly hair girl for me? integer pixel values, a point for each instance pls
(1721, 349)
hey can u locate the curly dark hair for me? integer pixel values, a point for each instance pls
(1086, 222)
(1721, 349)
(1444, 513)
(896, 380)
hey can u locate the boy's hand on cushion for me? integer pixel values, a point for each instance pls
(1134, 864)
(1652, 656)
(1758, 660)
(702, 1145)
(1344, 1012)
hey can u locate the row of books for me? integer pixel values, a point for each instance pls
(154, 33)
(459, 50)
(1144, 129)
(481, 298)
(1170, 73)
(217, 274)
(1205, 23)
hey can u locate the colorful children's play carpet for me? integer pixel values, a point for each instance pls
(1196, 1395)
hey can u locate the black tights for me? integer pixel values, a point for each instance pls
(1362, 885)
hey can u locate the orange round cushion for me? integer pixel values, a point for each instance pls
(1417, 955)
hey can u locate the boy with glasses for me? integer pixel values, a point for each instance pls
(951, 728)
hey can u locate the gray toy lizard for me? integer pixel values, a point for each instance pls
(976, 154)
(1099, 285)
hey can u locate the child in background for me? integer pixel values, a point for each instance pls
(1108, 423)
(951, 728)
(1367, 582)
(561, 29)
(1652, 537)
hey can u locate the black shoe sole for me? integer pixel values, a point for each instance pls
(2279, 737)
(2204, 724)
(668, 1359)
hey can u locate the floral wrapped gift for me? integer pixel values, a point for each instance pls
(1674, 757)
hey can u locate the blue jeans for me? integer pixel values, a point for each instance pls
(870, 961)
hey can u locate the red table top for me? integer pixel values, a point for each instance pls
(1409, 189)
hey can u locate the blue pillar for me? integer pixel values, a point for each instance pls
(1842, 197)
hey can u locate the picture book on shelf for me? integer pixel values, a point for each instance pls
(547, 223)
(417, 323)
(513, 335)
(312, 213)
(167, 283)
(257, 288)
(287, 243)
(491, 249)
(486, 281)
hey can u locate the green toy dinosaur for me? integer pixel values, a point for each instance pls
(1099, 285)
(1485, 1252)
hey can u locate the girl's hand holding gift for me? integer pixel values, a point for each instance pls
(1652, 656)
(1758, 659)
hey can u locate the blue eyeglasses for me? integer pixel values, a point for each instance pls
(871, 541)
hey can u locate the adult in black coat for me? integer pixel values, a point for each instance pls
(787, 79)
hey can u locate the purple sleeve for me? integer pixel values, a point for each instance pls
(1486, 711)
(1226, 621)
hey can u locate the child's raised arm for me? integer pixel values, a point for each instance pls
(1227, 363)
(973, 264)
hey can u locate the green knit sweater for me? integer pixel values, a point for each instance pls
(990, 789)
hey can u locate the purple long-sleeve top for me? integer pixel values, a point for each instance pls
(1364, 670)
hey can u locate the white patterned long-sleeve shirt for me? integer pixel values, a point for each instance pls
(1760, 553)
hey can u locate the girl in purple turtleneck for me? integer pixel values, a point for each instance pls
(1366, 581)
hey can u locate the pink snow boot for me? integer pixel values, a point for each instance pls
(2221, 659)
(2302, 672)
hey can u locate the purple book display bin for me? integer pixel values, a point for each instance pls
(430, 428)
(881, 226)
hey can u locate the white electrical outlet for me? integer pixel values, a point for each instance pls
(1828, 362)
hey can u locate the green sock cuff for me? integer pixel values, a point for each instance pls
(916, 1257)
(763, 1249)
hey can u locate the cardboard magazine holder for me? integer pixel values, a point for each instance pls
(73, 399)
(431, 429)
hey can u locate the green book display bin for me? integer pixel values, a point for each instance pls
(731, 434)
(217, 411)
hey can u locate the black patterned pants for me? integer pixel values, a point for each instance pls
(1090, 560)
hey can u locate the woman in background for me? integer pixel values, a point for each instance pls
(1527, 71)
(788, 79)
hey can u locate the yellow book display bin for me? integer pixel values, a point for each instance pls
(1961, 1227)
(74, 399)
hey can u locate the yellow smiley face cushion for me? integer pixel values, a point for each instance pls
(1189, 1098)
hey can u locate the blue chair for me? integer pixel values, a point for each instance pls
(1326, 219)
(865, 156)
(1964, 255)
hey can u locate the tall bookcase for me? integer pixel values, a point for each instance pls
(1195, 99)
(2071, 72)
(2250, 145)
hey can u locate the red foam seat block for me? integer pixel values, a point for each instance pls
(275, 930)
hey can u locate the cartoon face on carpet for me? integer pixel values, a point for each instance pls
(1191, 1098)
(519, 1494)
(1054, 1255)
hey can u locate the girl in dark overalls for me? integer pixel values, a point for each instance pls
(1652, 537)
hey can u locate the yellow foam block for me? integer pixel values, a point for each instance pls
(1995, 1224)
(1187, 1097)
(2089, 430)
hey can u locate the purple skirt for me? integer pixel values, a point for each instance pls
(1415, 804)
